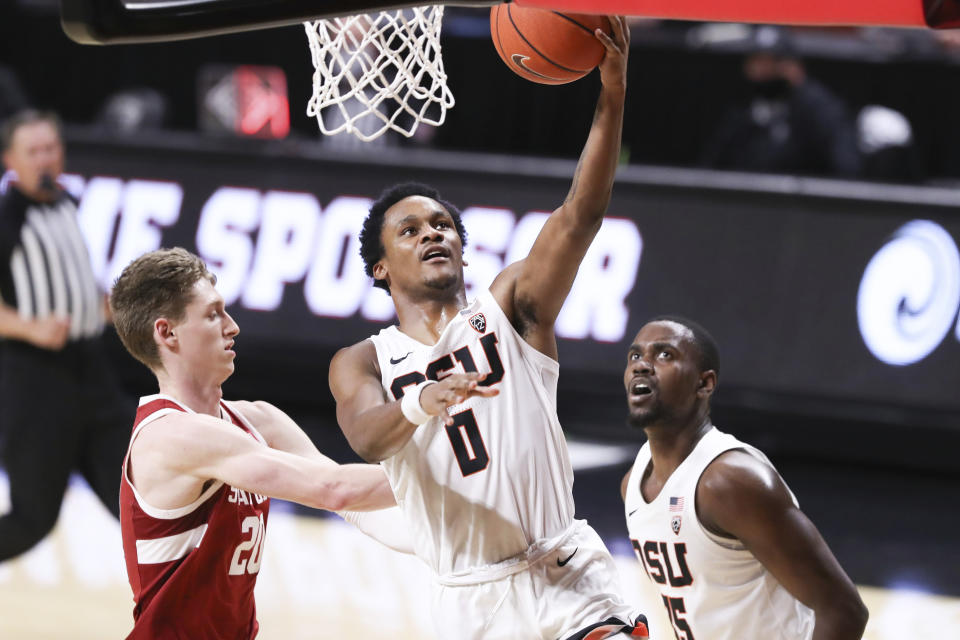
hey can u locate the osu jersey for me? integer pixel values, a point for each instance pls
(498, 479)
(713, 587)
(193, 569)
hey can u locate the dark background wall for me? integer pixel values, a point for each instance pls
(678, 91)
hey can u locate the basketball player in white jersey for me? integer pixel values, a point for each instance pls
(200, 471)
(712, 522)
(458, 402)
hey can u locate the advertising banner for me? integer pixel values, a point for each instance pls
(825, 290)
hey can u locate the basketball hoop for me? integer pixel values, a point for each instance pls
(378, 72)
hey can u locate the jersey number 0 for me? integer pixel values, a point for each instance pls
(464, 433)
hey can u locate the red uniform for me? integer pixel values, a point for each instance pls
(193, 569)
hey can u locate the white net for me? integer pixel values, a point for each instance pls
(378, 72)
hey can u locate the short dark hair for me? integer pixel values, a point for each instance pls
(371, 240)
(709, 353)
(23, 118)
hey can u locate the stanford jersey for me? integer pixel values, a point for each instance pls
(713, 587)
(193, 569)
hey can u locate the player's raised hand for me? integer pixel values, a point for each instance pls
(454, 389)
(613, 67)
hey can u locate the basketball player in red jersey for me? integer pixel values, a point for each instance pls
(459, 404)
(200, 471)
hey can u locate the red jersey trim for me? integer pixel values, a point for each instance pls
(150, 409)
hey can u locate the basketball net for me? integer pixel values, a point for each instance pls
(378, 72)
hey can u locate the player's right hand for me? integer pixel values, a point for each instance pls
(49, 333)
(613, 67)
(454, 389)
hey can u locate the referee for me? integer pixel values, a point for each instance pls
(60, 406)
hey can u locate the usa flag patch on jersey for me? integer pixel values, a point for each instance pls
(478, 322)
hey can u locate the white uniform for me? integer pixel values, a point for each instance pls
(713, 588)
(489, 500)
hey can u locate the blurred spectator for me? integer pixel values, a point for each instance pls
(885, 139)
(133, 111)
(62, 407)
(792, 123)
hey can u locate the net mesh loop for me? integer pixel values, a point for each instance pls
(375, 73)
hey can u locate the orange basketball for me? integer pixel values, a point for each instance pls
(547, 46)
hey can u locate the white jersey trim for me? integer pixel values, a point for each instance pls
(729, 444)
(528, 350)
(484, 298)
(246, 421)
(169, 548)
(150, 510)
(515, 564)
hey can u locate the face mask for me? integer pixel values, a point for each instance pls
(771, 89)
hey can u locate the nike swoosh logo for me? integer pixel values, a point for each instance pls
(633, 512)
(561, 563)
(521, 61)
(400, 359)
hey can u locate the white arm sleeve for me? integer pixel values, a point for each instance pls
(386, 526)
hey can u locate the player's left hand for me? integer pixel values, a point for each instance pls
(453, 389)
(613, 67)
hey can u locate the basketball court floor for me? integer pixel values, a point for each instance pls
(322, 579)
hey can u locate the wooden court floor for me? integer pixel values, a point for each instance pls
(320, 579)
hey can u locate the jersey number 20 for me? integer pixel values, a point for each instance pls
(251, 563)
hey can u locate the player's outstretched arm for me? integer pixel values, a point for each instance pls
(375, 426)
(281, 432)
(206, 448)
(278, 429)
(740, 496)
(386, 526)
(533, 293)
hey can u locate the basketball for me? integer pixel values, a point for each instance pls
(544, 46)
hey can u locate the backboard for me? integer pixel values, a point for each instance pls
(133, 21)
(130, 21)
(891, 13)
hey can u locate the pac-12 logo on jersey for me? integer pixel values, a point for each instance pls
(478, 322)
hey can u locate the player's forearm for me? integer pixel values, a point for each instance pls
(841, 619)
(363, 487)
(593, 179)
(379, 432)
(318, 485)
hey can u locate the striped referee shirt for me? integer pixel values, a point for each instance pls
(44, 265)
